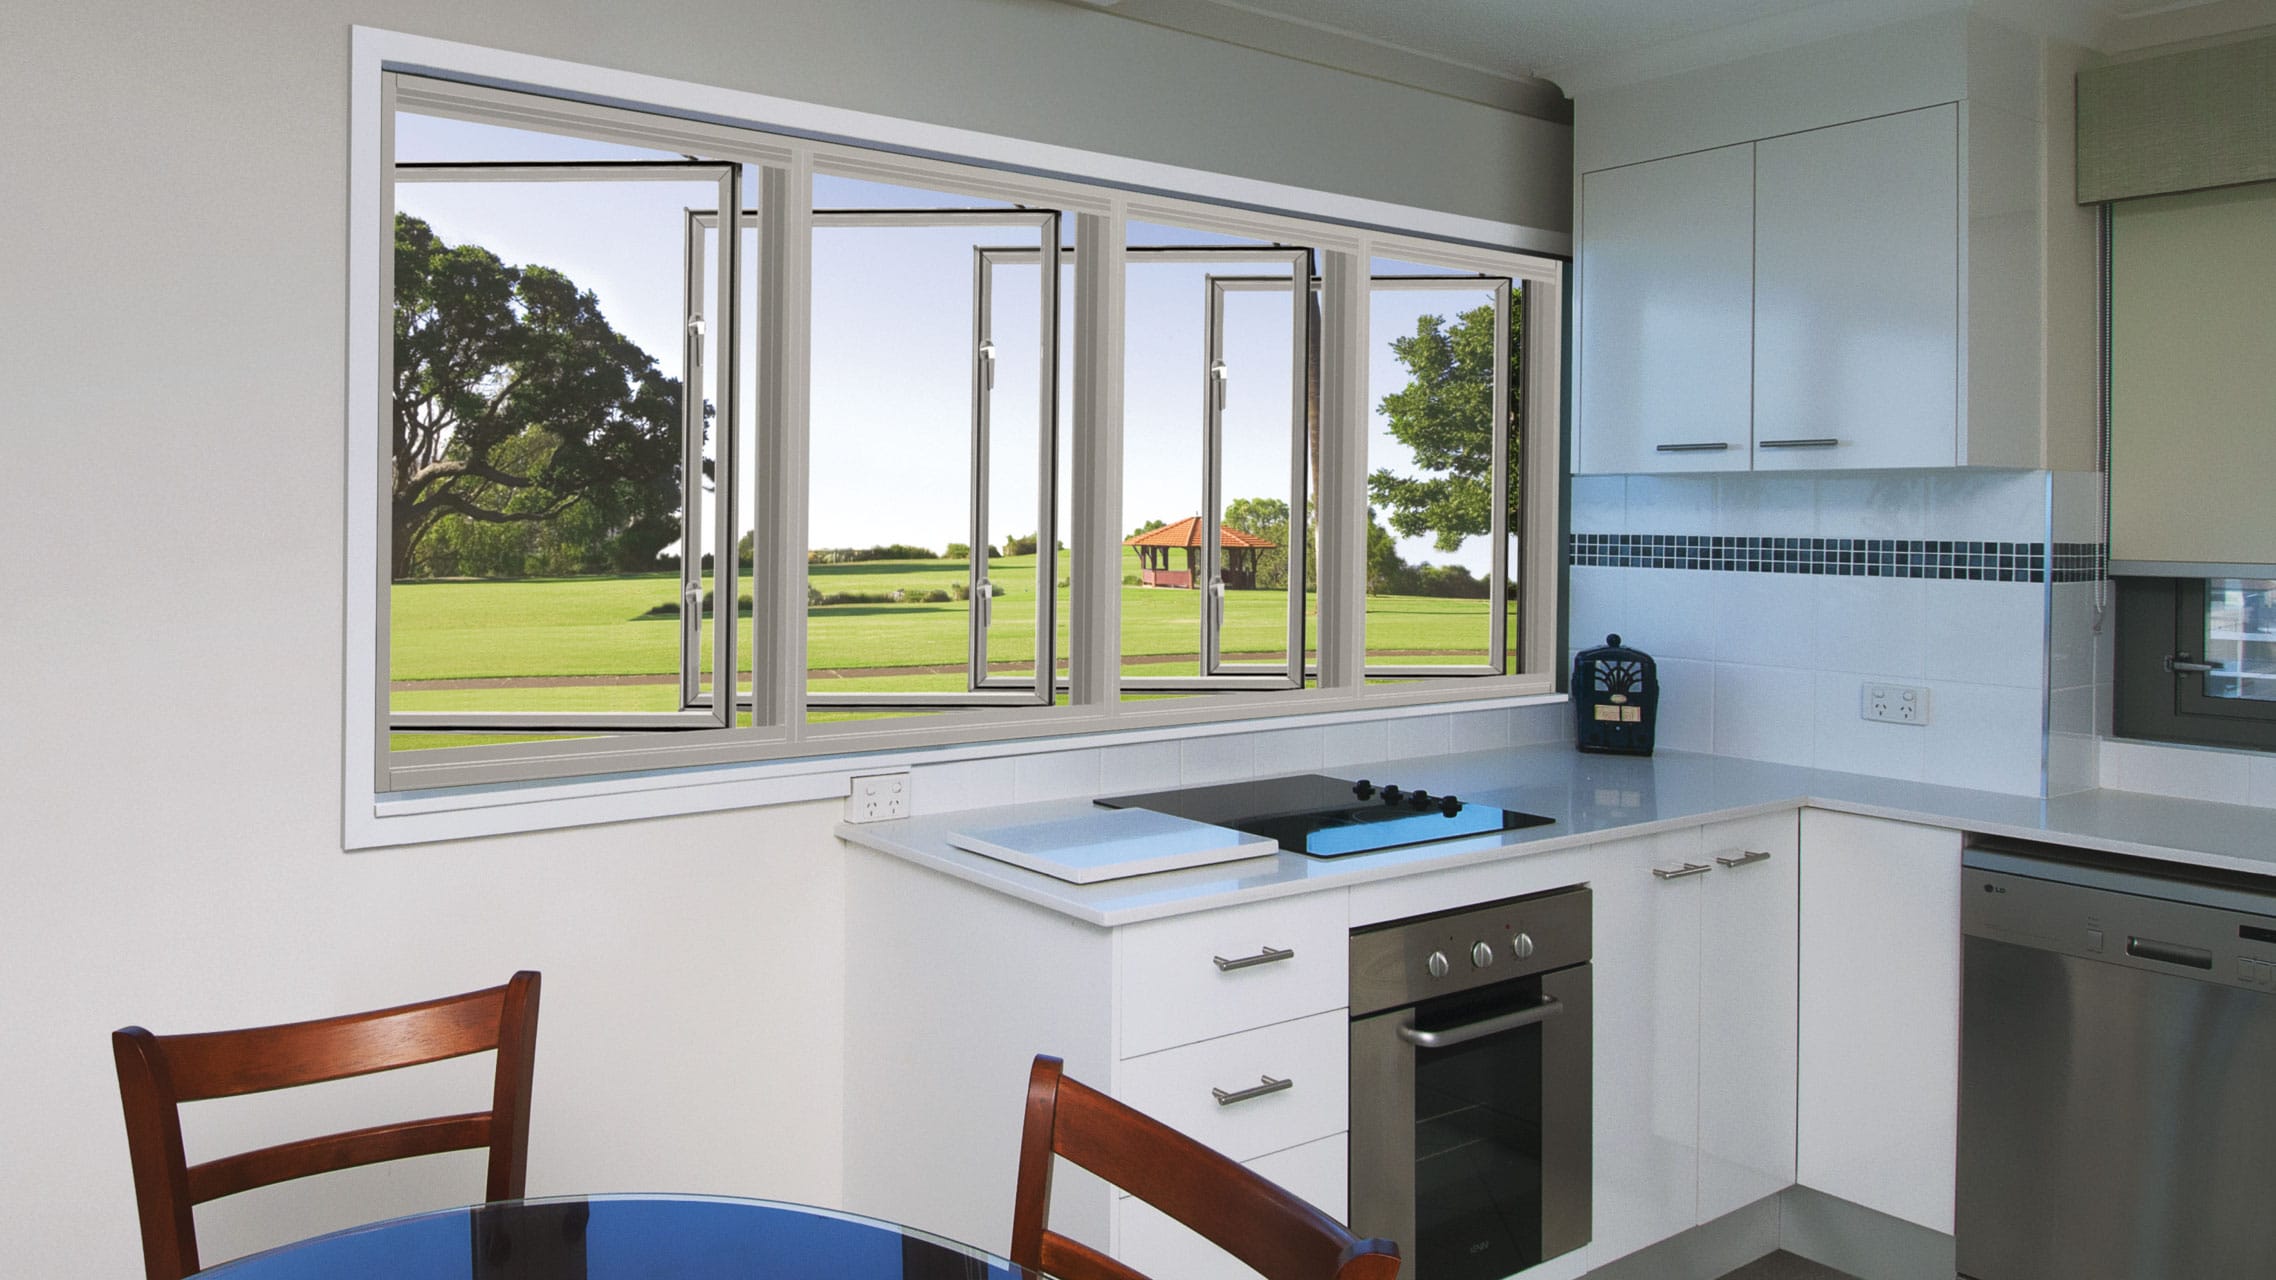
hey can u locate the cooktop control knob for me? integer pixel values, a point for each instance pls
(1363, 788)
(1392, 795)
(1437, 964)
(1521, 946)
(1420, 799)
(1449, 806)
(1481, 955)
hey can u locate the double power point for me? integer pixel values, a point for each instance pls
(878, 797)
(1894, 703)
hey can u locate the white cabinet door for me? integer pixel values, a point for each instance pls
(1158, 1245)
(1747, 993)
(1666, 313)
(1856, 273)
(1879, 1091)
(1647, 1043)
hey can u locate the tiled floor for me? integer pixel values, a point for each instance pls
(1785, 1266)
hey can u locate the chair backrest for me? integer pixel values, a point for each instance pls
(1276, 1234)
(159, 1073)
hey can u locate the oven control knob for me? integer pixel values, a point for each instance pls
(1363, 788)
(1420, 799)
(1449, 806)
(1482, 955)
(1392, 795)
(1437, 964)
(1521, 946)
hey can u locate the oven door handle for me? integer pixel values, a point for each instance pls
(1549, 1007)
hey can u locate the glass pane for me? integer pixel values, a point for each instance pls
(2240, 637)
(896, 364)
(1010, 551)
(1431, 436)
(539, 430)
(1257, 449)
(832, 192)
(1478, 1143)
(440, 140)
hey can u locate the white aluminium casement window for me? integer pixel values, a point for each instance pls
(742, 446)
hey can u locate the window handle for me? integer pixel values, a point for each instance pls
(988, 365)
(984, 602)
(2181, 664)
(691, 607)
(1219, 375)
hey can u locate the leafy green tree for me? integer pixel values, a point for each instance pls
(1265, 518)
(1149, 527)
(1444, 415)
(516, 403)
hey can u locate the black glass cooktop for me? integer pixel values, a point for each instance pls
(1331, 817)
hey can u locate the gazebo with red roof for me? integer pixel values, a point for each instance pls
(1238, 550)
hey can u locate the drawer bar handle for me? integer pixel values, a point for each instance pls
(1270, 955)
(1745, 857)
(1701, 446)
(1816, 442)
(1687, 869)
(1270, 1085)
(1549, 1007)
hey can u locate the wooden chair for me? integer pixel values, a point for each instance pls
(1278, 1235)
(158, 1073)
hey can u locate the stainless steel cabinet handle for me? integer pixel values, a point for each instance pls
(1818, 442)
(1270, 1085)
(1745, 856)
(1549, 1007)
(1700, 446)
(1687, 869)
(1269, 955)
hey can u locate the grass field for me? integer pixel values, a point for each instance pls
(535, 631)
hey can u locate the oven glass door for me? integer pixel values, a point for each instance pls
(1466, 1152)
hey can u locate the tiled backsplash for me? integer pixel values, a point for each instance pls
(1813, 585)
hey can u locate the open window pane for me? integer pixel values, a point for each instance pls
(932, 546)
(1442, 450)
(2240, 638)
(552, 397)
(1215, 464)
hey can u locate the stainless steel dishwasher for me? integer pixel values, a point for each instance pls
(2117, 1070)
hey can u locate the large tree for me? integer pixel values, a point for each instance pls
(1444, 415)
(518, 404)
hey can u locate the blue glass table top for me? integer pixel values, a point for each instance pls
(625, 1237)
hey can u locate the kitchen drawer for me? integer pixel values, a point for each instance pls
(1158, 1245)
(1174, 1086)
(1173, 991)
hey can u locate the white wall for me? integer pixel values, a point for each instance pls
(171, 549)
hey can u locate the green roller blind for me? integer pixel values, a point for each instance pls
(2193, 383)
(2182, 122)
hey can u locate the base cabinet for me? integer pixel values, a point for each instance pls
(1158, 1245)
(1878, 1095)
(1747, 1011)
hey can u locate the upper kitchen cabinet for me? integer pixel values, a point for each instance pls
(1667, 266)
(1856, 287)
(1858, 253)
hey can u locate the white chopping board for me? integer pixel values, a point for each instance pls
(1111, 844)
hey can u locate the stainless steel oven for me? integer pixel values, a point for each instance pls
(1470, 1093)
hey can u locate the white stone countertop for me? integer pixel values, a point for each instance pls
(1595, 798)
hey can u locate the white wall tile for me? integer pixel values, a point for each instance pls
(962, 784)
(1593, 605)
(1846, 741)
(1055, 775)
(1987, 632)
(1280, 751)
(2071, 710)
(1600, 504)
(2262, 771)
(1870, 625)
(1360, 742)
(1880, 504)
(1997, 506)
(1989, 737)
(1552, 723)
(2070, 635)
(1670, 613)
(1418, 736)
(1478, 730)
(1687, 706)
(2072, 762)
(2189, 772)
(1765, 713)
(1139, 766)
(1765, 505)
(1227, 757)
(1765, 619)
(1670, 504)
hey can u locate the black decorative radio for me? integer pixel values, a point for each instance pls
(1616, 697)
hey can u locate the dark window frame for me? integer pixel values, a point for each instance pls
(2162, 618)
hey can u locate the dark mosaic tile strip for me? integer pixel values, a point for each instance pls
(1842, 557)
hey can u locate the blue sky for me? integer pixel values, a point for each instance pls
(892, 326)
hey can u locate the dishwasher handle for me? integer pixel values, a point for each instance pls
(2170, 953)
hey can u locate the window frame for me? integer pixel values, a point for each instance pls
(2160, 618)
(780, 140)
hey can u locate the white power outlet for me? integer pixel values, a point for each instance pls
(1895, 703)
(878, 797)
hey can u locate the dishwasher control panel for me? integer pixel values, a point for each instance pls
(2208, 933)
